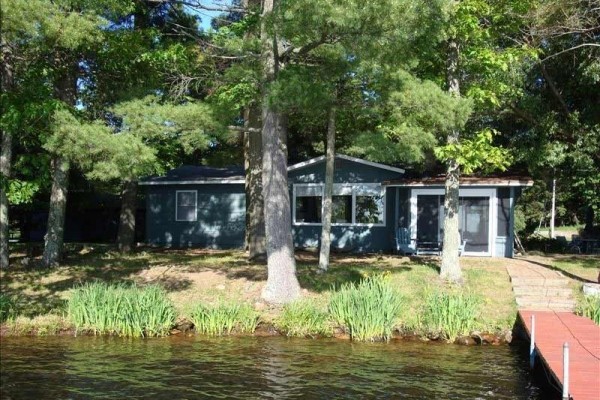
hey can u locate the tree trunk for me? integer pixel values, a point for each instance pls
(66, 90)
(255, 221)
(282, 283)
(450, 268)
(126, 233)
(5, 160)
(328, 193)
(5, 167)
(53, 247)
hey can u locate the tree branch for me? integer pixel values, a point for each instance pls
(570, 49)
(554, 90)
(244, 129)
(300, 51)
(523, 115)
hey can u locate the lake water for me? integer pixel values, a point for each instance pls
(255, 367)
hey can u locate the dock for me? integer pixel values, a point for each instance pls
(552, 330)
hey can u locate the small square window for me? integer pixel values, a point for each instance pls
(186, 205)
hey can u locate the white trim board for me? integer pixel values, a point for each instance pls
(350, 185)
(192, 182)
(347, 158)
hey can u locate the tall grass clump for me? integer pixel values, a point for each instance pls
(8, 307)
(124, 310)
(589, 306)
(224, 318)
(450, 313)
(367, 310)
(303, 318)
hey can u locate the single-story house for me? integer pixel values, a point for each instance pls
(205, 207)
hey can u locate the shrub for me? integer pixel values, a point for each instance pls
(366, 310)
(589, 306)
(125, 310)
(450, 313)
(224, 318)
(303, 318)
(7, 307)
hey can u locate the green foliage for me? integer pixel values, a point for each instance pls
(21, 192)
(368, 310)
(477, 153)
(589, 307)
(421, 113)
(8, 307)
(450, 313)
(224, 319)
(303, 318)
(124, 310)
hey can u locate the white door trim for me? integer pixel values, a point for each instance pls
(463, 192)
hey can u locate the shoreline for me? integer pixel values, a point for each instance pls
(266, 329)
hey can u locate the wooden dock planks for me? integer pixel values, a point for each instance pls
(552, 329)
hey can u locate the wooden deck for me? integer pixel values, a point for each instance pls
(552, 329)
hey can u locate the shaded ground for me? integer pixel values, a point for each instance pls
(192, 276)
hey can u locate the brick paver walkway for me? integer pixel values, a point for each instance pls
(539, 288)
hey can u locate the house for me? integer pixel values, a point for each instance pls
(205, 207)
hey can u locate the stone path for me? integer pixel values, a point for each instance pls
(539, 288)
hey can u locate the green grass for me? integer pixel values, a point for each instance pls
(224, 319)
(367, 310)
(124, 310)
(586, 267)
(450, 313)
(589, 306)
(303, 318)
(207, 277)
(7, 307)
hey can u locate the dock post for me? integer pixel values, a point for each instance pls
(532, 343)
(565, 391)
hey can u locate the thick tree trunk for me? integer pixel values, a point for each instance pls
(5, 160)
(126, 233)
(5, 167)
(53, 247)
(255, 221)
(65, 90)
(450, 268)
(328, 193)
(282, 283)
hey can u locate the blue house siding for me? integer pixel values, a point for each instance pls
(350, 238)
(345, 172)
(221, 216)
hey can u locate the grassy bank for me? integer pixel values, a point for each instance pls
(195, 278)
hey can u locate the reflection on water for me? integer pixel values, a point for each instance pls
(250, 368)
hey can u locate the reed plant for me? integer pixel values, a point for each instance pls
(367, 310)
(450, 313)
(589, 306)
(303, 318)
(124, 310)
(224, 318)
(8, 308)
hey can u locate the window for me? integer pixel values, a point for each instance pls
(369, 205)
(186, 202)
(360, 204)
(309, 204)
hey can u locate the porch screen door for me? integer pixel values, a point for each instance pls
(430, 211)
(474, 223)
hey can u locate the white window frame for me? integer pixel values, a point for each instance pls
(354, 187)
(467, 192)
(195, 205)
